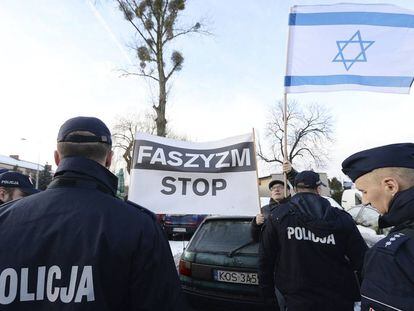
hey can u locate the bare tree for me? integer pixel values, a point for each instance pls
(126, 127)
(155, 25)
(124, 132)
(309, 134)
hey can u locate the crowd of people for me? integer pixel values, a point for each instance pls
(76, 246)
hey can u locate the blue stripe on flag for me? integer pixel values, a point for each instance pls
(352, 18)
(349, 79)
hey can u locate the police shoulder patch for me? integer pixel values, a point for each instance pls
(393, 242)
(142, 209)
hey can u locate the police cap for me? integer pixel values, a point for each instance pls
(17, 180)
(363, 162)
(93, 125)
(308, 179)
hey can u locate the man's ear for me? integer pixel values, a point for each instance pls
(319, 190)
(108, 160)
(391, 185)
(57, 157)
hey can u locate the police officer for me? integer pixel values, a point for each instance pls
(310, 251)
(14, 185)
(76, 246)
(385, 176)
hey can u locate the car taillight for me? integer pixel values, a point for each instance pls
(184, 268)
(160, 217)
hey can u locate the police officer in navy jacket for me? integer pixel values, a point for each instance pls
(14, 185)
(385, 176)
(76, 246)
(310, 251)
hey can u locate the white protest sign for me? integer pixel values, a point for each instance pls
(178, 177)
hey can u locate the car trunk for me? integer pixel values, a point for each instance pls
(222, 260)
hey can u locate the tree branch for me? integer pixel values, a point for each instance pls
(121, 4)
(127, 73)
(172, 71)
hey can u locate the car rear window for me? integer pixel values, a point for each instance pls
(218, 236)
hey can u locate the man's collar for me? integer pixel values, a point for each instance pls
(89, 168)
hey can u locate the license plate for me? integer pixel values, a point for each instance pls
(236, 277)
(179, 230)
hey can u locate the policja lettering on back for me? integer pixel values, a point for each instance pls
(300, 233)
(310, 250)
(46, 288)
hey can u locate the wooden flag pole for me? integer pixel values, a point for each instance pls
(285, 158)
(257, 174)
(285, 121)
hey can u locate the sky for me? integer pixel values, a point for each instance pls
(61, 59)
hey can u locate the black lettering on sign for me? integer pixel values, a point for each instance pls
(166, 183)
(199, 186)
(218, 184)
(184, 184)
(204, 185)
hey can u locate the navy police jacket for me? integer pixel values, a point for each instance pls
(388, 275)
(266, 210)
(310, 251)
(75, 246)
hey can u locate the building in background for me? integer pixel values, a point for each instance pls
(13, 163)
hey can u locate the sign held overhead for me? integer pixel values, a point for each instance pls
(178, 177)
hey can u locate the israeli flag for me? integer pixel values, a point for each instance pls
(350, 47)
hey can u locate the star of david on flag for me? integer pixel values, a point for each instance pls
(346, 48)
(350, 47)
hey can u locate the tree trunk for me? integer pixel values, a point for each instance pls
(162, 101)
(128, 158)
(160, 120)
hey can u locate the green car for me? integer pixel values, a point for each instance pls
(219, 268)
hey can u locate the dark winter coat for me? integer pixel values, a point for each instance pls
(388, 276)
(310, 251)
(255, 229)
(76, 246)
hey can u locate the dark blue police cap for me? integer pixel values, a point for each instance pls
(363, 162)
(3, 170)
(17, 180)
(308, 179)
(85, 124)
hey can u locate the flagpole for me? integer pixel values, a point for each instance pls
(285, 142)
(257, 174)
(285, 121)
